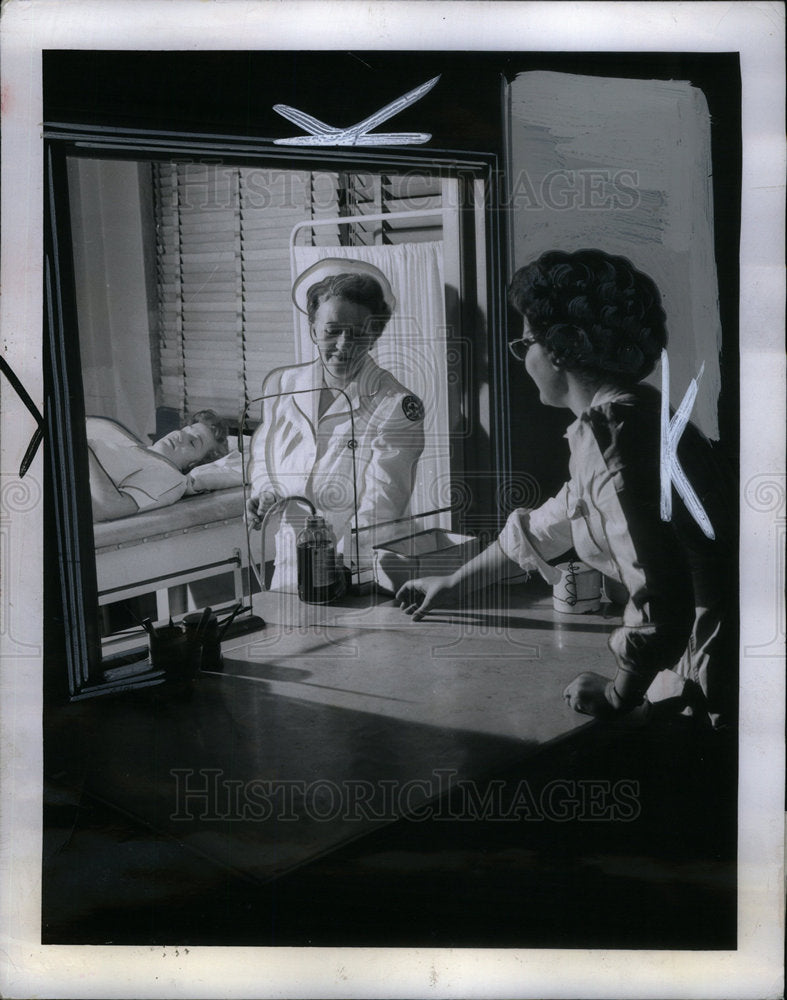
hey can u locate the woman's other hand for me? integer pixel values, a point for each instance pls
(418, 596)
(587, 694)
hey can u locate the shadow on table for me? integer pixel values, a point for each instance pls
(164, 817)
(504, 622)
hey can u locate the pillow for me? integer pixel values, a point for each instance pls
(219, 475)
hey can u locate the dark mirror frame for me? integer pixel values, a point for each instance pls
(73, 649)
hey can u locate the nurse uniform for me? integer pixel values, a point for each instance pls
(359, 449)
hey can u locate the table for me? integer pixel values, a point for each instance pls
(327, 724)
(495, 669)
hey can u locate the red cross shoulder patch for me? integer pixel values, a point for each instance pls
(413, 408)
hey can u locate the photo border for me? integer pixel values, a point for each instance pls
(756, 31)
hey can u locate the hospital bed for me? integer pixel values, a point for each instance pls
(196, 538)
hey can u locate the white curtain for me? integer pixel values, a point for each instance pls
(109, 214)
(412, 348)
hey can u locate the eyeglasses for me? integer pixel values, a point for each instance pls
(353, 333)
(519, 348)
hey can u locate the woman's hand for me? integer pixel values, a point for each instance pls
(416, 597)
(587, 694)
(257, 508)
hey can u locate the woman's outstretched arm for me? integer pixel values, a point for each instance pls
(418, 596)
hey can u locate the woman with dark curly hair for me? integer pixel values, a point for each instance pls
(593, 329)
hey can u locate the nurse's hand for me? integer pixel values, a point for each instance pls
(416, 597)
(257, 508)
(587, 694)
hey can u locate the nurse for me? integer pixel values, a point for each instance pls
(593, 328)
(339, 430)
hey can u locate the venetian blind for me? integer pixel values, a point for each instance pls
(225, 316)
(225, 313)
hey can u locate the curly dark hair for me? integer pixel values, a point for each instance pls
(220, 430)
(595, 314)
(361, 289)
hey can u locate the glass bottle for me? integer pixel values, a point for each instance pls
(321, 577)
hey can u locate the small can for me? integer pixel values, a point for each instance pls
(578, 591)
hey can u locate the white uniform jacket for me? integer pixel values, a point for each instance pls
(378, 427)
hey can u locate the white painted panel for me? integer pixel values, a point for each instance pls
(625, 166)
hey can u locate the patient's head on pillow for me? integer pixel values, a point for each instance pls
(202, 439)
(219, 428)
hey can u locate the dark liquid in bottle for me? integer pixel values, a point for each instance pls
(318, 581)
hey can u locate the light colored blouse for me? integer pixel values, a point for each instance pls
(151, 480)
(609, 512)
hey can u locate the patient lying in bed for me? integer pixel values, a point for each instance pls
(127, 476)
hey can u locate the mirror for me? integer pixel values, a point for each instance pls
(183, 273)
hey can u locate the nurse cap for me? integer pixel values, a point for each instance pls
(329, 267)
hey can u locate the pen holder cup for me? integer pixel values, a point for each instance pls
(172, 651)
(205, 641)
